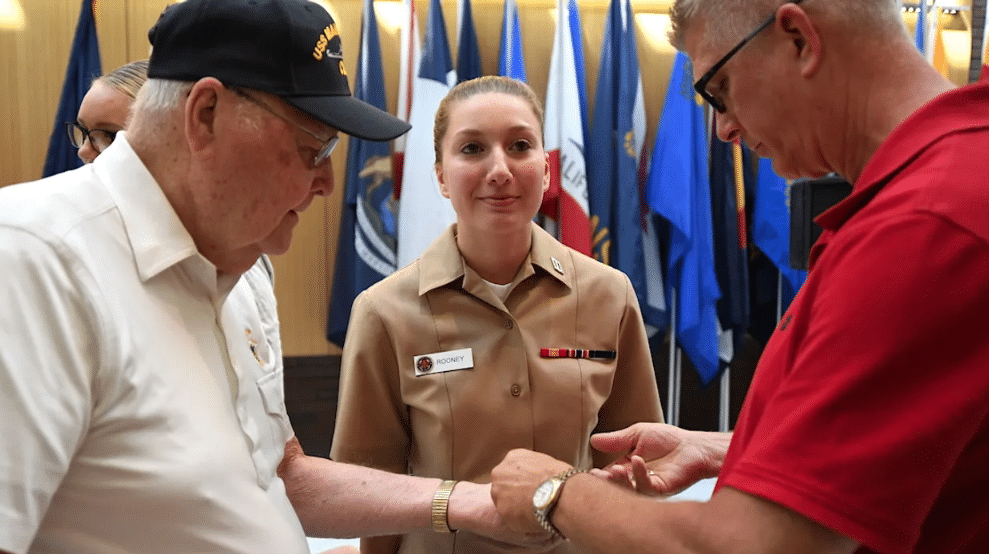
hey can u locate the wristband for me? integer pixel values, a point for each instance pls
(441, 504)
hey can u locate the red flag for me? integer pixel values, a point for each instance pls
(411, 51)
(566, 199)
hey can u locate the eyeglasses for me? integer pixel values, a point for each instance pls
(328, 144)
(701, 85)
(99, 139)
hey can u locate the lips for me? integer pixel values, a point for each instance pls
(500, 201)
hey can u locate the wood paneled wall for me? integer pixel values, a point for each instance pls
(32, 68)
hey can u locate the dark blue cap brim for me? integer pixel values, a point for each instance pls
(352, 116)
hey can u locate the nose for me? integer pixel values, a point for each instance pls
(323, 181)
(498, 172)
(86, 152)
(728, 129)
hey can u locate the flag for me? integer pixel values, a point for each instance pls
(731, 266)
(511, 62)
(619, 214)
(566, 200)
(423, 211)
(920, 30)
(366, 250)
(985, 52)
(771, 227)
(679, 190)
(468, 52)
(84, 66)
(928, 36)
(410, 58)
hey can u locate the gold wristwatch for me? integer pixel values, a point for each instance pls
(546, 496)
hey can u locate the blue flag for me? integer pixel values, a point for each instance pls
(679, 190)
(731, 262)
(771, 227)
(84, 66)
(511, 62)
(615, 184)
(468, 52)
(367, 246)
(920, 32)
(576, 37)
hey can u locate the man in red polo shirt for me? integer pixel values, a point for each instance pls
(866, 427)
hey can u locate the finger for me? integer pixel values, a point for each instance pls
(615, 441)
(646, 481)
(616, 475)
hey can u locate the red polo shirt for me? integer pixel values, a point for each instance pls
(869, 411)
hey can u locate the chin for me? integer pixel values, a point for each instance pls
(275, 246)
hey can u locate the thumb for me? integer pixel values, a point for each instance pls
(615, 441)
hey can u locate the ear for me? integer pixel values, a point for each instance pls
(546, 175)
(200, 113)
(804, 37)
(444, 190)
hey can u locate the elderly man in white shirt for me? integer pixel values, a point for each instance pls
(140, 372)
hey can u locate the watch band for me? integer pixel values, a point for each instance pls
(546, 520)
(441, 505)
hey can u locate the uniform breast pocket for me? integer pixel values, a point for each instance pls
(275, 428)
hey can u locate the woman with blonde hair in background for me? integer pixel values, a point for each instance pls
(104, 109)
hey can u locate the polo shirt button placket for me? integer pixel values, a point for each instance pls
(509, 324)
(516, 390)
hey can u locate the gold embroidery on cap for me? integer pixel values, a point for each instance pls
(324, 39)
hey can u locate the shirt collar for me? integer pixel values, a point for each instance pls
(948, 113)
(156, 234)
(442, 264)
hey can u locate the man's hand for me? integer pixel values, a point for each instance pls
(513, 483)
(471, 509)
(661, 459)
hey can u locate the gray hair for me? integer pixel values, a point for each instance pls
(160, 96)
(727, 21)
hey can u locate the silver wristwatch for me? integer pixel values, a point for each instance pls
(546, 496)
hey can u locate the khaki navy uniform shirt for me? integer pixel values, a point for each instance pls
(459, 424)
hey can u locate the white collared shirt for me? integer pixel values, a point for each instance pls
(143, 406)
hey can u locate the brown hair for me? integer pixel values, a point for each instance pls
(128, 78)
(481, 85)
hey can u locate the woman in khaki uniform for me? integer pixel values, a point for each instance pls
(454, 360)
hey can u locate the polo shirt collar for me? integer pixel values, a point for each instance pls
(442, 264)
(155, 232)
(948, 113)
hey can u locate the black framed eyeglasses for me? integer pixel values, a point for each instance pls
(701, 85)
(328, 144)
(98, 138)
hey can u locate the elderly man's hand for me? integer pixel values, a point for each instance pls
(472, 511)
(514, 481)
(661, 459)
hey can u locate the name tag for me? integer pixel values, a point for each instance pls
(441, 362)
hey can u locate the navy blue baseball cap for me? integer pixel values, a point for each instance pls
(288, 48)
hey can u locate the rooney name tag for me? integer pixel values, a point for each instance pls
(440, 362)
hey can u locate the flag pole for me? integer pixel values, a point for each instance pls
(779, 295)
(725, 400)
(673, 373)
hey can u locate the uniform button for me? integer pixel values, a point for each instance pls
(516, 390)
(508, 324)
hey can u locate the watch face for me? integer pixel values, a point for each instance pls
(543, 494)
